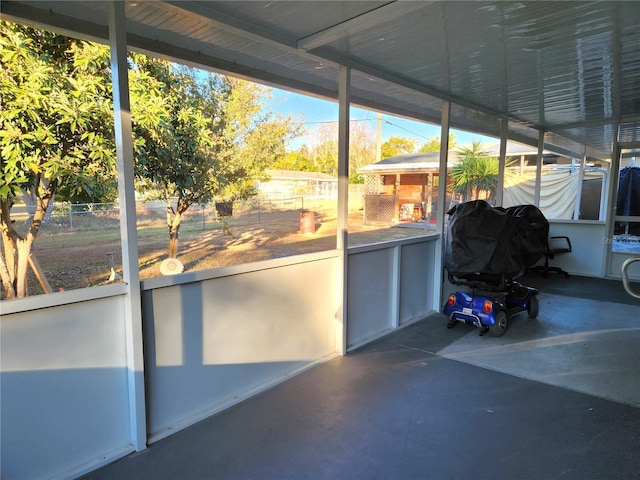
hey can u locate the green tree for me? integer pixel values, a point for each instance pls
(362, 149)
(201, 136)
(195, 136)
(56, 134)
(298, 160)
(397, 146)
(178, 147)
(476, 174)
(257, 137)
(324, 149)
(433, 145)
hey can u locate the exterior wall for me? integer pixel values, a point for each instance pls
(412, 188)
(389, 285)
(410, 198)
(417, 281)
(615, 266)
(65, 397)
(588, 255)
(589, 251)
(211, 343)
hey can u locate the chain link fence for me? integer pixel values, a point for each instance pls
(106, 216)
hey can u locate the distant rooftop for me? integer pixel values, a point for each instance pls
(408, 162)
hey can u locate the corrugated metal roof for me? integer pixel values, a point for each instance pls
(406, 162)
(571, 69)
(430, 161)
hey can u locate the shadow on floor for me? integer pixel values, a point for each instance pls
(609, 290)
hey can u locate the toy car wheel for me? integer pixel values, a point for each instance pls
(533, 306)
(500, 325)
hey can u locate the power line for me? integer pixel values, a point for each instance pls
(371, 120)
(407, 130)
(336, 121)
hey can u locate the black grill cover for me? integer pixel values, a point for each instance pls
(482, 239)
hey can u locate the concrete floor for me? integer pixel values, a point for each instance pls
(555, 397)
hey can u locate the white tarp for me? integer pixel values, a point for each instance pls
(558, 189)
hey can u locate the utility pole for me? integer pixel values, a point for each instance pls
(379, 139)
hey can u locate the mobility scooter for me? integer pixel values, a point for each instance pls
(487, 249)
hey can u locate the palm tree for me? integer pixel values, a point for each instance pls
(476, 174)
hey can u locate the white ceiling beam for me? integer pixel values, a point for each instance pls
(390, 11)
(207, 11)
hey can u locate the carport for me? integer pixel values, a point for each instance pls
(177, 375)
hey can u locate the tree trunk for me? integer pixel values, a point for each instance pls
(24, 250)
(174, 225)
(173, 241)
(174, 233)
(7, 281)
(17, 249)
(8, 258)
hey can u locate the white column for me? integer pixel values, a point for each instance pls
(442, 207)
(502, 160)
(128, 231)
(343, 201)
(536, 196)
(576, 209)
(602, 212)
(612, 195)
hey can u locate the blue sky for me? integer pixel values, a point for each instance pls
(317, 112)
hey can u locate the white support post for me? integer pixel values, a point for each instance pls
(604, 194)
(343, 203)
(576, 209)
(442, 207)
(442, 173)
(395, 287)
(128, 230)
(502, 160)
(536, 196)
(612, 194)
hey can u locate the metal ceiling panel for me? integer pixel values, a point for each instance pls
(182, 34)
(377, 94)
(571, 69)
(629, 132)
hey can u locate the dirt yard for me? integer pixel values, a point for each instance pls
(73, 260)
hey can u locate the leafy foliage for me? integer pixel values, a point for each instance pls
(196, 136)
(56, 131)
(322, 154)
(258, 138)
(397, 146)
(476, 173)
(433, 145)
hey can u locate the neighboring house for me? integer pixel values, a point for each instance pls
(291, 183)
(404, 188)
(400, 188)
